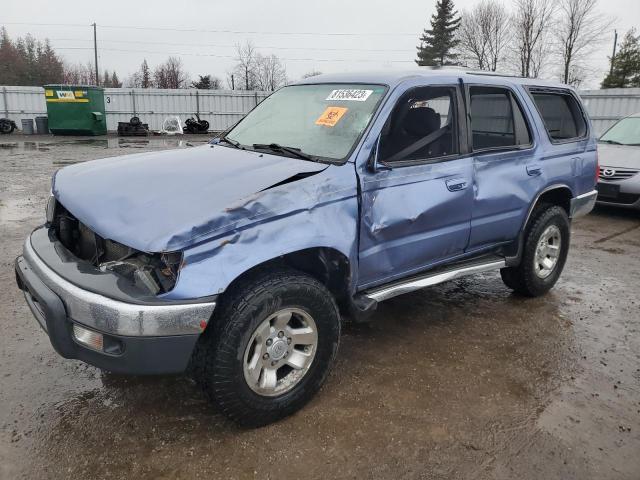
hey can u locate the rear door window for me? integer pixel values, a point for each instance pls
(497, 120)
(562, 115)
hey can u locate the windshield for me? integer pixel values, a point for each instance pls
(323, 120)
(625, 132)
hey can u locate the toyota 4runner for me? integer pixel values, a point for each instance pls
(237, 260)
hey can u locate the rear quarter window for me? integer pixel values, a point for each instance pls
(561, 114)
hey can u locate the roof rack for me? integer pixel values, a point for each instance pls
(493, 74)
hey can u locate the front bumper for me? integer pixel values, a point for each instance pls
(627, 196)
(139, 338)
(583, 204)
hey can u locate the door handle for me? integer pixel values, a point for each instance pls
(534, 170)
(456, 184)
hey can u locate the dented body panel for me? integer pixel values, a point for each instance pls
(316, 212)
(166, 201)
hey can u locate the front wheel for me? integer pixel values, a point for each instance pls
(269, 348)
(545, 252)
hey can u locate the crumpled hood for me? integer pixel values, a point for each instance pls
(621, 156)
(163, 201)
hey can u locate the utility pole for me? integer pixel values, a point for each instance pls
(613, 55)
(95, 53)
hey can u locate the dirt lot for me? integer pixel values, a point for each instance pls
(461, 381)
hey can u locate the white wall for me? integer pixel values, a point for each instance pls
(221, 108)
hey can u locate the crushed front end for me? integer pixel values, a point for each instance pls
(102, 302)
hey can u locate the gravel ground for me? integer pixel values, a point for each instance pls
(464, 380)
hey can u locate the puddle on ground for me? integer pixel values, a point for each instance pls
(55, 143)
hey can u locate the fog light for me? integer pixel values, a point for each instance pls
(88, 338)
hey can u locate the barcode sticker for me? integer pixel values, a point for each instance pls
(350, 95)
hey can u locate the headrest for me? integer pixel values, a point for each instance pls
(420, 122)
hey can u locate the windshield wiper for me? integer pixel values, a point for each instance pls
(231, 142)
(613, 142)
(274, 147)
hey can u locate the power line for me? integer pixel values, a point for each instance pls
(235, 32)
(217, 45)
(128, 51)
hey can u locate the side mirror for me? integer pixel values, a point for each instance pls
(374, 164)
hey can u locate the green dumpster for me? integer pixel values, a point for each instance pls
(75, 109)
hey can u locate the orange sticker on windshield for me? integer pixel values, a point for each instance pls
(331, 116)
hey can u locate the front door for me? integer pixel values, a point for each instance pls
(416, 206)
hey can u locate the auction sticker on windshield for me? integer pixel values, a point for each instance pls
(351, 95)
(331, 116)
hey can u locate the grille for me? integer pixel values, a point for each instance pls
(83, 242)
(153, 272)
(613, 173)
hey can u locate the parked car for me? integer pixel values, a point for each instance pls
(237, 260)
(619, 153)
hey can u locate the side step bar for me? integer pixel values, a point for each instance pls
(432, 278)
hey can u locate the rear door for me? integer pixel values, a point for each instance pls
(508, 172)
(416, 208)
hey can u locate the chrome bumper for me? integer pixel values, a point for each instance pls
(583, 204)
(116, 317)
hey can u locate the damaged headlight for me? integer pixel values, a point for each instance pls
(154, 272)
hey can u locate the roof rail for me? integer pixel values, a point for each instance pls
(493, 74)
(443, 67)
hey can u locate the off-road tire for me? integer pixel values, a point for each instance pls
(217, 362)
(522, 279)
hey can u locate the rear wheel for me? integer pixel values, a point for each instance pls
(269, 348)
(545, 252)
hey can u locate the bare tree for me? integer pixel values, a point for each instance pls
(79, 74)
(484, 34)
(270, 73)
(472, 37)
(244, 73)
(532, 22)
(578, 32)
(170, 74)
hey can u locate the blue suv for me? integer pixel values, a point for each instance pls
(237, 260)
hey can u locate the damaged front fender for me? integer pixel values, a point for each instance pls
(316, 212)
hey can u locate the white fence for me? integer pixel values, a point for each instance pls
(222, 108)
(605, 107)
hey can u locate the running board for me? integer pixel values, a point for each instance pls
(432, 278)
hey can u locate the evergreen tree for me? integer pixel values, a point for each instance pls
(11, 64)
(626, 64)
(437, 45)
(50, 66)
(28, 61)
(145, 75)
(115, 81)
(106, 80)
(203, 83)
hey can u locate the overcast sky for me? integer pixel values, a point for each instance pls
(328, 36)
